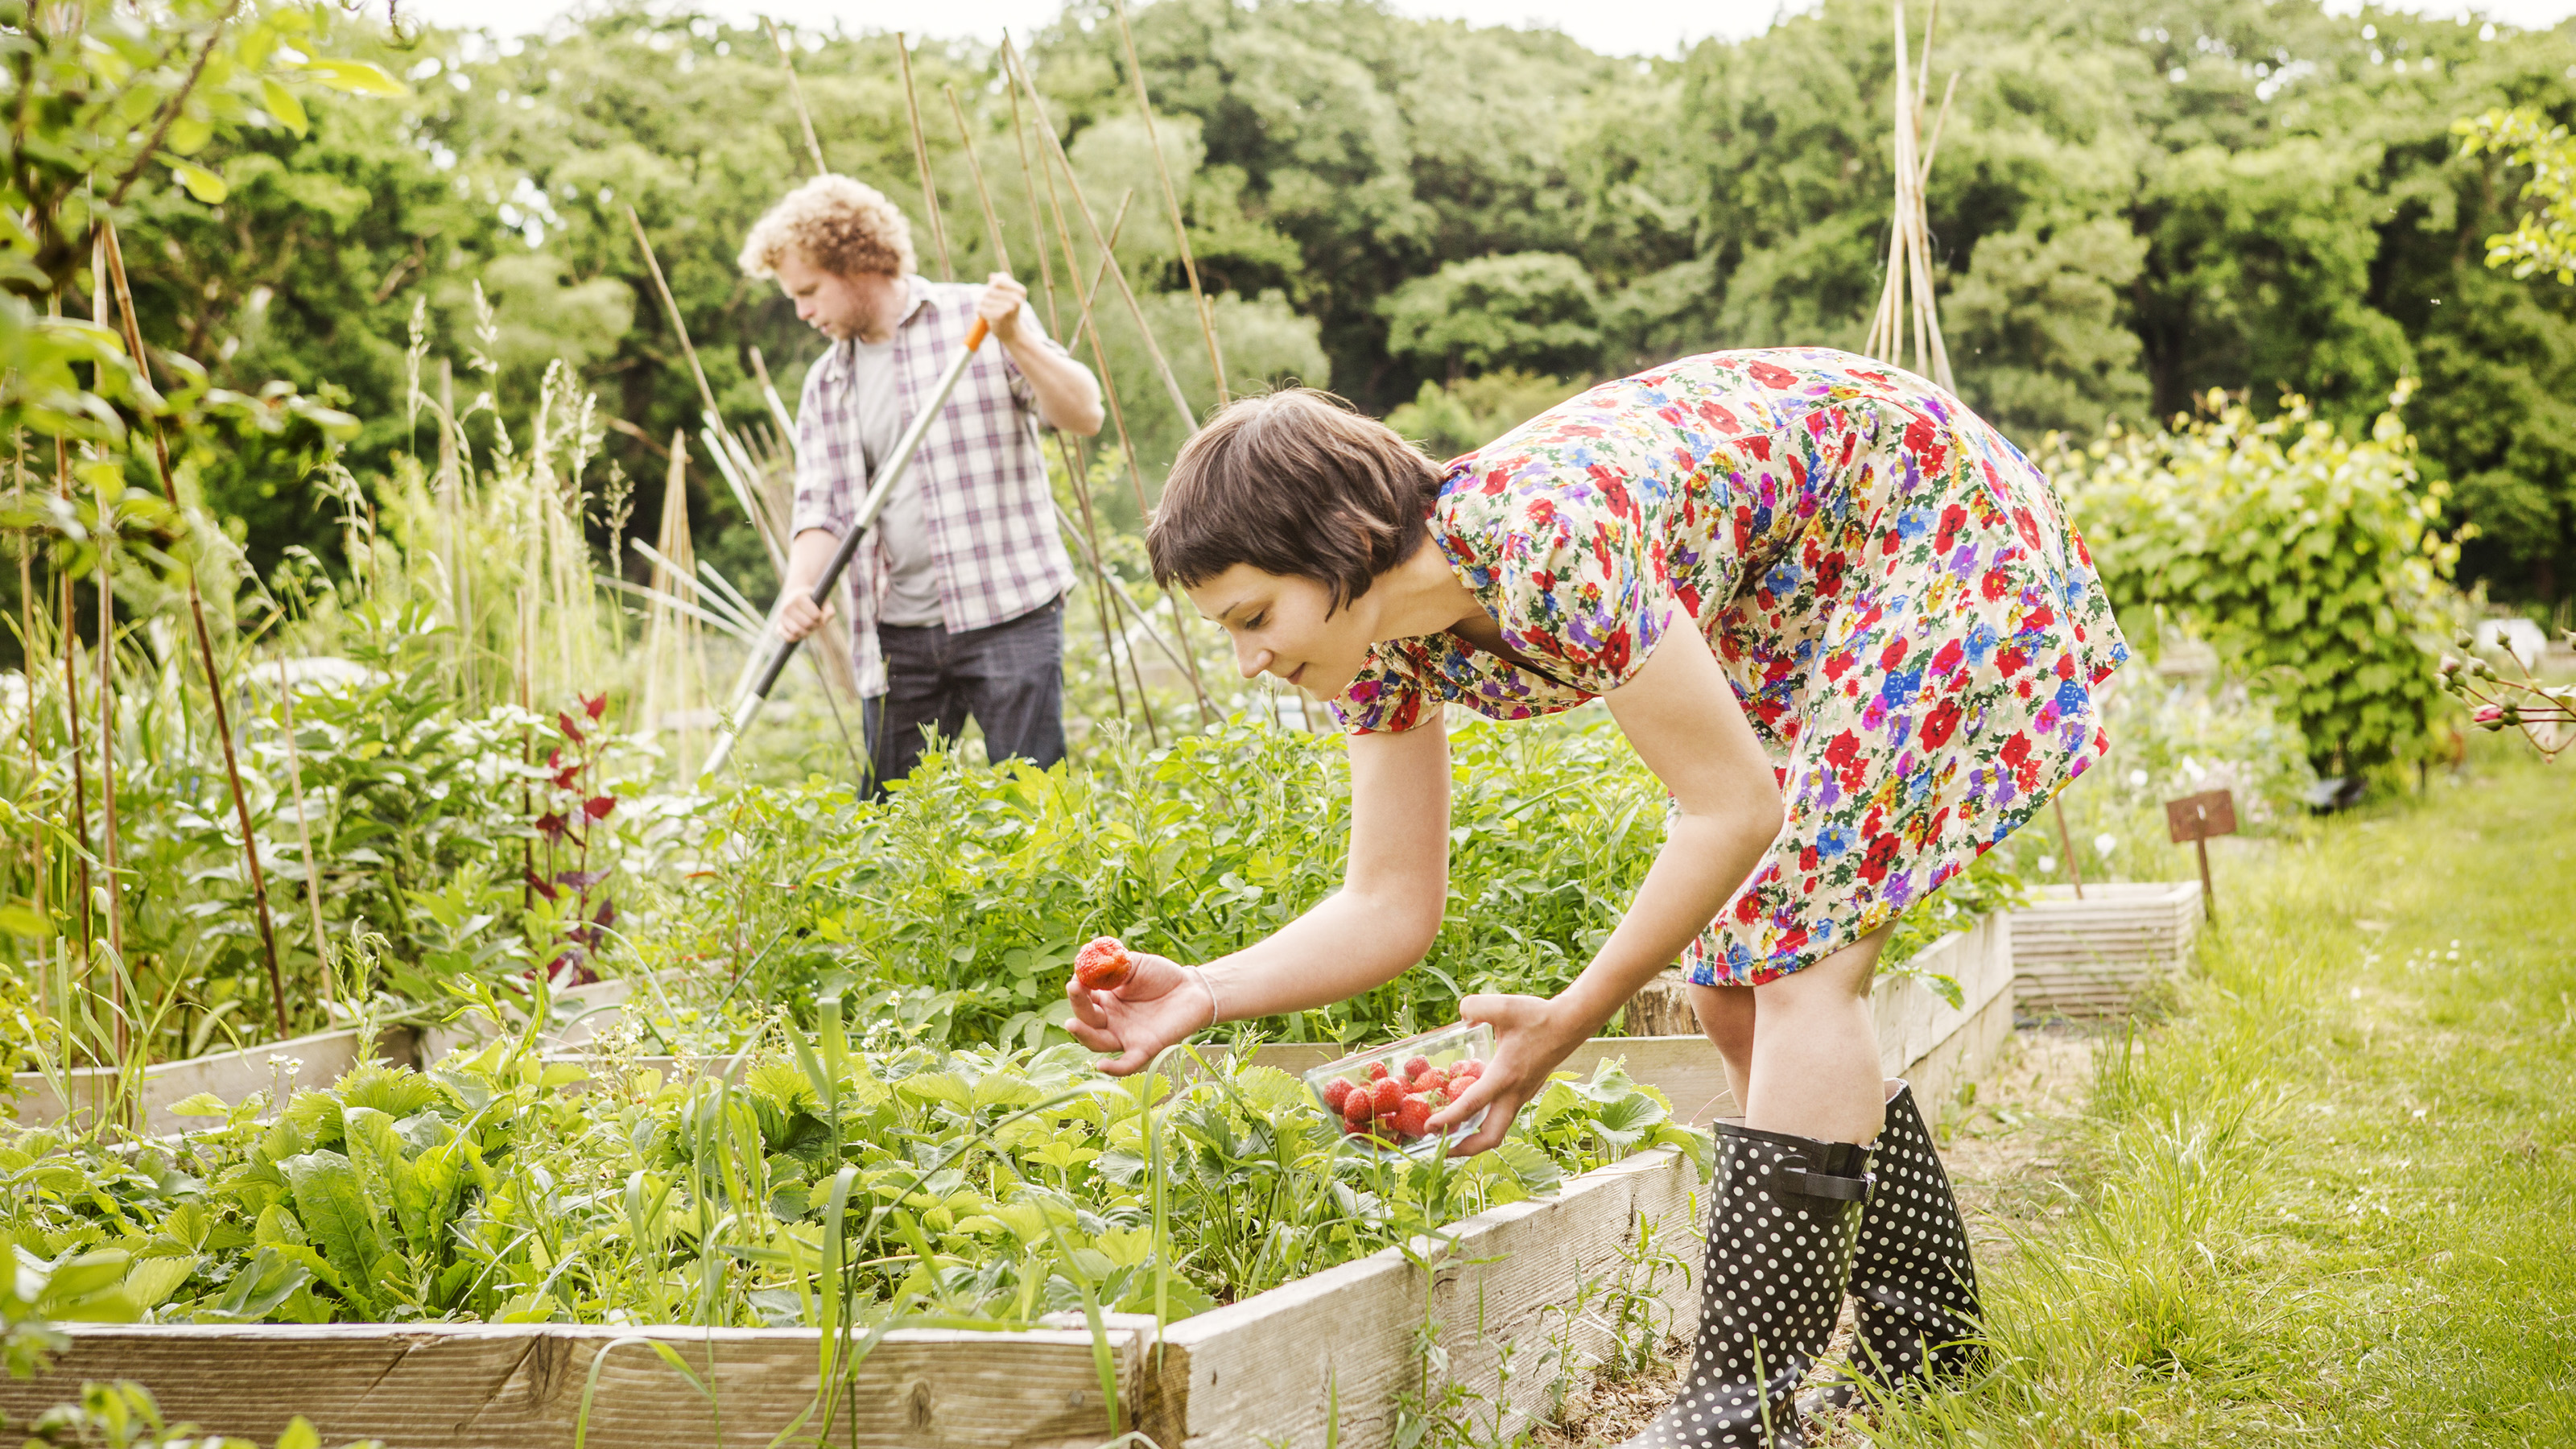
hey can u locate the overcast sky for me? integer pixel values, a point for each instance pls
(1616, 27)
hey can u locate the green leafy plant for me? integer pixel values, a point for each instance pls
(2314, 562)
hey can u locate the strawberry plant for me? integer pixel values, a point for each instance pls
(832, 1180)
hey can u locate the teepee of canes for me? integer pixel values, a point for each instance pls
(1906, 302)
(675, 678)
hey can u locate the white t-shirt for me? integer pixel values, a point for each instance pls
(903, 528)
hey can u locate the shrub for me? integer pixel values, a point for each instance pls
(2313, 562)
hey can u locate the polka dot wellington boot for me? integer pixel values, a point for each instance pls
(1783, 1215)
(1914, 1280)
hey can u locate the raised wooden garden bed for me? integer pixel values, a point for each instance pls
(1921, 1036)
(319, 1060)
(1535, 1279)
(2091, 957)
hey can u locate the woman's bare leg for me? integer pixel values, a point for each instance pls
(1815, 1069)
(1726, 1014)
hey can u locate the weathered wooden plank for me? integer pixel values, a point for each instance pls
(1532, 1282)
(2092, 956)
(471, 1386)
(317, 1061)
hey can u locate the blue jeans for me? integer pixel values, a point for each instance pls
(1009, 677)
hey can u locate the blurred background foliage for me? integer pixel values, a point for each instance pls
(2135, 202)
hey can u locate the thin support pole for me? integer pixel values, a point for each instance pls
(1091, 223)
(671, 309)
(1079, 478)
(107, 732)
(975, 168)
(921, 158)
(68, 635)
(2066, 847)
(205, 648)
(796, 93)
(2208, 896)
(304, 828)
(1172, 202)
(1037, 223)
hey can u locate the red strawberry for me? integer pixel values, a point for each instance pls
(1358, 1107)
(1430, 1081)
(1103, 965)
(1413, 1118)
(1376, 1071)
(1417, 1066)
(1386, 1096)
(1337, 1091)
(1469, 1069)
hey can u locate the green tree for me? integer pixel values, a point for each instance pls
(1530, 311)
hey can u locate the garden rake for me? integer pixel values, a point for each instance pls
(770, 656)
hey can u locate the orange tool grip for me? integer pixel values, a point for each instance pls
(976, 334)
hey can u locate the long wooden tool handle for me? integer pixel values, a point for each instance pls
(776, 648)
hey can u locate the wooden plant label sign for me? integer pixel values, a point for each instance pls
(2196, 818)
(2201, 816)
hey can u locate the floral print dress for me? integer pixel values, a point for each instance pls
(1911, 625)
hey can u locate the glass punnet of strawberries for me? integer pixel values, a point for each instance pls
(1384, 1097)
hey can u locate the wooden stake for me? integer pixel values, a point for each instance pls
(975, 167)
(1091, 223)
(2066, 847)
(1079, 476)
(1172, 202)
(304, 827)
(671, 309)
(921, 159)
(205, 646)
(68, 636)
(1013, 66)
(107, 732)
(796, 93)
(1037, 224)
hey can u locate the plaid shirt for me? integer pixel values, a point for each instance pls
(983, 484)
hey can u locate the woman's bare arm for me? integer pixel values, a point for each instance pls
(1364, 935)
(1680, 715)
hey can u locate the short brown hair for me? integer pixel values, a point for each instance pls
(845, 227)
(1294, 483)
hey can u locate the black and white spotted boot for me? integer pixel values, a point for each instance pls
(1912, 1276)
(1783, 1215)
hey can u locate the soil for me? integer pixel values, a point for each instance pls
(2002, 1146)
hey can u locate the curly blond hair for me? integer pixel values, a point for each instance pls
(843, 226)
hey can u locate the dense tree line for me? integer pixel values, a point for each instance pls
(2134, 201)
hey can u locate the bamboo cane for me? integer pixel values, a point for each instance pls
(108, 536)
(39, 850)
(1078, 477)
(1013, 66)
(107, 732)
(796, 93)
(1037, 225)
(1091, 224)
(1172, 201)
(975, 168)
(205, 645)
(671, 309)
(68, 636)
(304, 826)
(921, 159)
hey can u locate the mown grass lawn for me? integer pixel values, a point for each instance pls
(2331, 1198)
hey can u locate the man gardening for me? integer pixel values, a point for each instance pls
(956, 610)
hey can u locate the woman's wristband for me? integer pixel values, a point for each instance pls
(1215, 1013)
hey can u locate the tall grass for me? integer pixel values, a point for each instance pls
(2329, 1199)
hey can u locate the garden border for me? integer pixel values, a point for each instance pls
(323, 1058)
(2091, 957)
